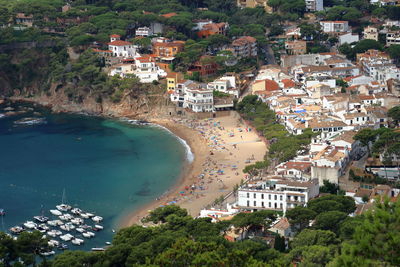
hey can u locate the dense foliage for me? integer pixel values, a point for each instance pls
(177, 239)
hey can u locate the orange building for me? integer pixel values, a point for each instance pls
(168, 49)
(213, 28)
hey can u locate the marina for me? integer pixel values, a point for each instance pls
(63, 229)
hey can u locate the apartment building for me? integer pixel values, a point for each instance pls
(198, 98)
(392, 37)
(166, 48)
(371, 33)
(296, 47)
(245, 46)
(335, 26)
(276, 194)
(314, 5)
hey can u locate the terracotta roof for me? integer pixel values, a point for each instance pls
(145, 59)
(301, 166)
(169, 15)
(243, 40)
(23, 16)
(287, 83)
(366, 97)
(283, 224)
(115, 35)
(101, 51)
(119, 43)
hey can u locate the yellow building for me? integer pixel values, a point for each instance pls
(172, 80)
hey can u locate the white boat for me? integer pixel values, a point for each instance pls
(80, 230)
(47, 253)
(108, 243)
(91, 234)
(77, 221)
(53, 243)
(77, 241)
(89, 214)
(66, 237)
(84, 215)
(66, 217)
(97, 219)
(43, 226)
(16, 230)
(86, 234)
(76, 211)
(63, 206)
(56, 212)
(70, 225)
(30, 225)
(98, 227)
(41, 219)
(52, 233)
(65, 228)
(98, 249)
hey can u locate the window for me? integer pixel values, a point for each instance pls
(275, 197)
(269, 204)
(248, 203)
(269, 197)
(254, 195)
(248, 195)
(281, 197)
(262, 204)
(275, 205)
(281, 206)
(255, 203)
(262, 196)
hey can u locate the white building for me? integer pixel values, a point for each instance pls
(144, 31)
(393, 38)
(147, 70)
(225, 84)
(335, 26)
(348, 38)
(276, 194)
(329, 164)
(121, 48)
(198, 98)
(314, 5)
(371, 33)
(199, 24)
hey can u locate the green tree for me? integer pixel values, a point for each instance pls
(329, 220)
(394, 113)
(366, 137)
(161, 214)
(300, 217)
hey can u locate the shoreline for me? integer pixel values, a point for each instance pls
(188, 173)
(222, 147)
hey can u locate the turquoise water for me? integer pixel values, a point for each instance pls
(105, 166)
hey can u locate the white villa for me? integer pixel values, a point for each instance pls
(121, 48)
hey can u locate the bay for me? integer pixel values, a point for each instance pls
(106, 166)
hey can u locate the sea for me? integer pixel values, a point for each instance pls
(105, 166)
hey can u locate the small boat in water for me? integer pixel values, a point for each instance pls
(30, 225)
(66, 217)
(2, 212)
(76, 211)
(77, 241)
(98, 227)
(16, 230)
(80, 230)
(62, 246)
(41, 219)
(97, 219)
(56, 212)
(108, 243)
(47, 253)
(63, 206)
(66, 237)
(98, 249)
(77, 221)
(53, 243)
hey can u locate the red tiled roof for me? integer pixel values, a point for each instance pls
(287, 83)
(169, 15)
(115, 35)
(119, 43)
(99, 50)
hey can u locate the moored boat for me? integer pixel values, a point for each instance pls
(41, 218)
(30, 225)
(16, 230)
(2, 212)
(98, 249)
(56, 212)
(97, 219)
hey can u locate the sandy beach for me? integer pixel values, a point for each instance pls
(222, 147)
